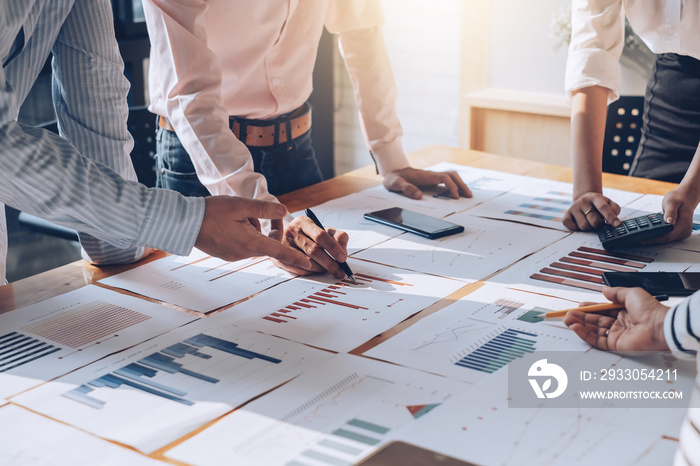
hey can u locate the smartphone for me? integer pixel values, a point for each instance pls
(670, 283)
(413, 222)
(407, 454)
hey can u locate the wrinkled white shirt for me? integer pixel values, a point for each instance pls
(597, 37)
(254, 59)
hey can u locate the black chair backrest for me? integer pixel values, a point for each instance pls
(622, 132)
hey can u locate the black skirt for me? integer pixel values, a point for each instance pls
(671, 128)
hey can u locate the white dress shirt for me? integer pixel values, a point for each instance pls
(682, 330)
(597, 37)
(254, 59)
(79, 179)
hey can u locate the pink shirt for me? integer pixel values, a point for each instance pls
(254, 59)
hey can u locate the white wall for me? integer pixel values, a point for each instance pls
(423, 42)
(522, 47)
(522, 50)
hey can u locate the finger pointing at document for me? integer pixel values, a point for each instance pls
(228, 232)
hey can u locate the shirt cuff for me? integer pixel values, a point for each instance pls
(593, 67)
(390, 157)
(172, 222)
(678, 339)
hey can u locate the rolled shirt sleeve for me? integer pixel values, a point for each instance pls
(190, 87)
(358, 25)
(84, 179)
(597, 40)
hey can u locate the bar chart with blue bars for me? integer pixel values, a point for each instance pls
(500, 350)
(17, 349)
(139, 374)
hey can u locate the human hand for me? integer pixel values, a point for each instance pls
(323, 247)
(590, 212)
(407, 181)
(639, 327)
(678, 207)
(231, 231)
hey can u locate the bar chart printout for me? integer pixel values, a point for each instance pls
(162, 389)
(53, 337)
(480, 334)
(540, 202)
(339, 315)
(356, 406)
(573, 267)
(500, 350)
(199, 282)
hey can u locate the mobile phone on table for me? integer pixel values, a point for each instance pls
(670, 283)
(413, 222)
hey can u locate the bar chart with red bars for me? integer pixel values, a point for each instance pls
(584, 267)
(337, 314)
(333, 294)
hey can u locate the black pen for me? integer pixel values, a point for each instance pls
(343, 265)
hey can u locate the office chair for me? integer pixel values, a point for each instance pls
(622, 132)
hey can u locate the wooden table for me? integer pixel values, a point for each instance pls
(78, 274)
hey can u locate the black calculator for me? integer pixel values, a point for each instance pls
(634, 230)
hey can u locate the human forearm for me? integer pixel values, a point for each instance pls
(588, 115)
(368, 64)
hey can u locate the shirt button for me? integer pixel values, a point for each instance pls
(276, 82)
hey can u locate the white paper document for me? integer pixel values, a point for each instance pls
(34, 440)
(58, 335)
(436, 201)
(335, 414)
(541, 202)
(573, 267)
(199, 282)
(478, 426)
(347, 213)
(157, 392)
(336, 314)
(485, 247)
(480, 334)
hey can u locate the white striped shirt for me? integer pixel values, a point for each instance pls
(682, 330)
(79, 179)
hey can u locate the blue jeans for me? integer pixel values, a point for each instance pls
(287, 166)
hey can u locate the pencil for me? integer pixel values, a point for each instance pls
(592, 308)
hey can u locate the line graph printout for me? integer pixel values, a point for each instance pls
(541, 202)
(573, 267)
(199, 282)
(479, 334)
(158, 391)
(53, 337)
(436, 202)
(334, 414)
(544, 436)
(36, 440)
(485, 247)
(338, 315)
